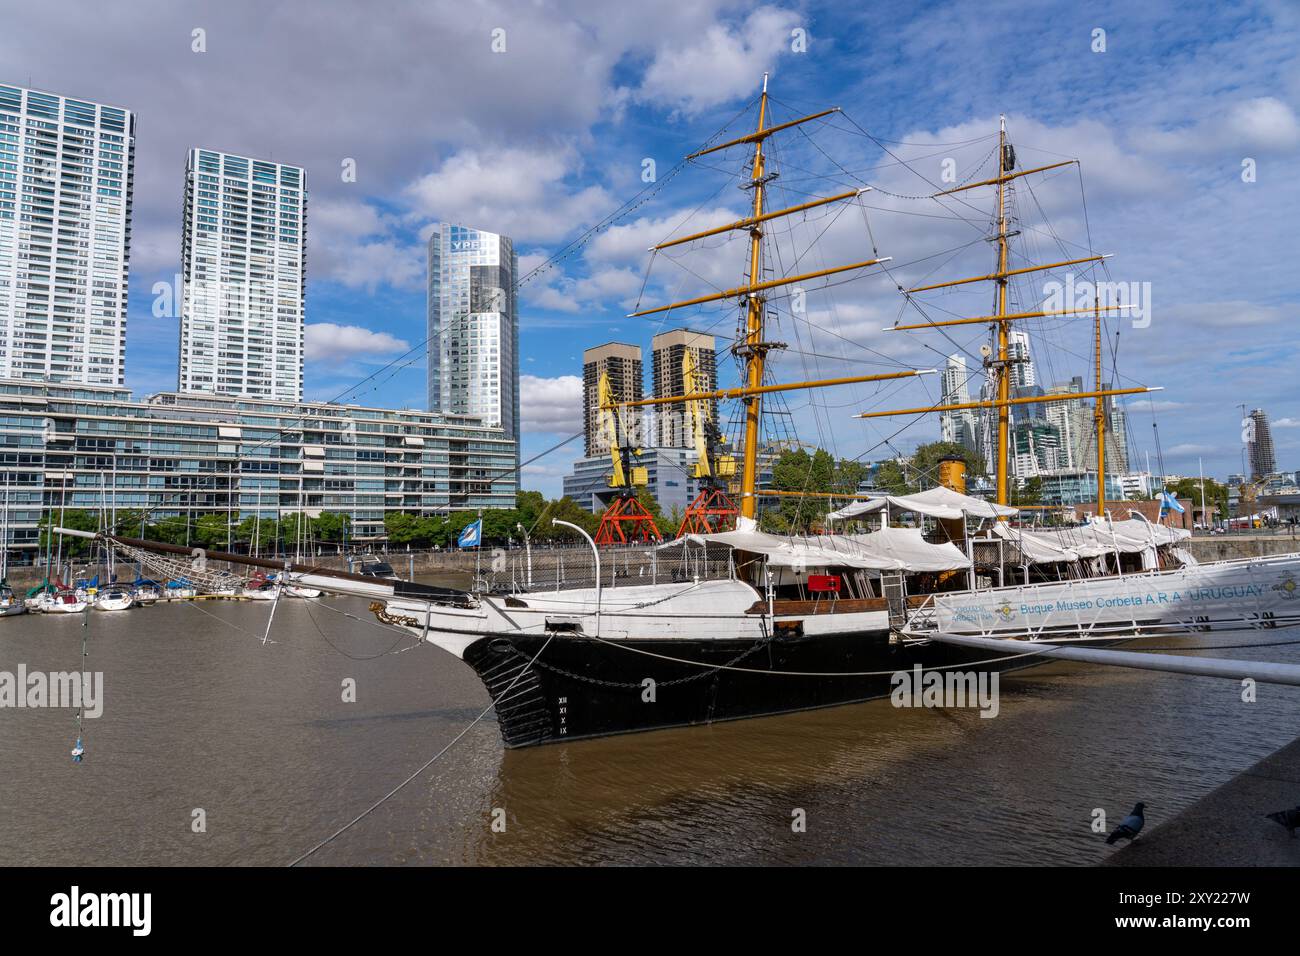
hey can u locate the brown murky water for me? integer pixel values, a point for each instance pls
(199, 714)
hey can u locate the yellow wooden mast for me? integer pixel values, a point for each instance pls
(1000, 364)
(1003, 369)
(753, 346)
(1099, 413)
(997, 403)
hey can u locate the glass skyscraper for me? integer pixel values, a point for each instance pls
(243, 272)
(473, 326)
(66, 169)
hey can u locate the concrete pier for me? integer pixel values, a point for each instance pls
(1229, 826)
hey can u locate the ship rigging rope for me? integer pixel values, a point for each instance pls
(216, 617)
(417, 351)
(180, 568)
(427, 764)
(405, 635)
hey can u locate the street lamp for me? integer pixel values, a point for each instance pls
(595, 551)
(528, 550)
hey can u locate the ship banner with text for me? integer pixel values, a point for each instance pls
(1257, 593)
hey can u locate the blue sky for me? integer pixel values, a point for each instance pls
(545, 139)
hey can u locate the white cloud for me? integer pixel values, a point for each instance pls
(327, 342)
(1287, 423)
(551, 404)
(1230, 314)
(722, 63)
(521, 193)
(369, 265)
(627, 243)
(333, 219)
(1189, 449)
(1264, 122)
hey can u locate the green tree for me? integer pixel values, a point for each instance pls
(921, 470)
(433, 530)
(499, 525)
(651, 504)
(807, 475)
(262, 531)
(211, 531)
(127, 522)
(1216, 495)
(173, 530)
(333, 526)
(891, 478)
(565, 508)
(401, 528)
(294, 527)
(530, 505)
(1027, 492)
(76, 519)
(674, 519)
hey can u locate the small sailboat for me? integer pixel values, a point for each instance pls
(115, 597)
(66, 601)
(145, 591)
(261, 589)
(10, 603)
(35, 598)
(179, 590)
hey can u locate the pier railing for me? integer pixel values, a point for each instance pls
(562, 568)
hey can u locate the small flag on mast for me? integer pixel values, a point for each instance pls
(1169, 503)
(472, 536)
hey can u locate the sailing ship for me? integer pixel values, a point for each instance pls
(795, 622)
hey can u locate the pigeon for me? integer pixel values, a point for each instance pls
(1288, 818)
(1130, 826)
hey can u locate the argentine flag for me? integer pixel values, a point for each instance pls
(1169, 503)
(471, 536)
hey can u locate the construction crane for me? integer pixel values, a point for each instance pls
(712, 510)
(1247, 496)
(625, 520)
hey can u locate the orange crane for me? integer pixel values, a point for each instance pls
(712, 510)
(625, 520)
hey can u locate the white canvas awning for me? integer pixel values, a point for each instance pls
(1132, 536)
(936, 502)
(888, 549)
(1037, 547)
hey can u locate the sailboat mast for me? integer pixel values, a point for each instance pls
(1004, 368)
(1099, 412)
(754, 348)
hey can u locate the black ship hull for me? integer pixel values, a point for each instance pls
(581, 688)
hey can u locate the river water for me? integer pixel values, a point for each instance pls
(199, 715)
